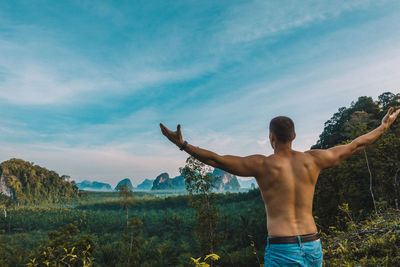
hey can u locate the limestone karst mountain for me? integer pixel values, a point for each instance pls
(94, 186)
(224, 181)
(126, 182)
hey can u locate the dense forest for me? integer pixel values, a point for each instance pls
(355, 207)
(375, 170)
(30, 183)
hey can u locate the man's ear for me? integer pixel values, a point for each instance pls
(272, 139)
(294, 136)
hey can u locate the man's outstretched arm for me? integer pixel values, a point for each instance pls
(241, 166)
(333, 156)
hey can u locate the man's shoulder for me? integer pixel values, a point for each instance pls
(264, 157)
(321, 157)
(314, 152)
(259, 160)
(258, 157)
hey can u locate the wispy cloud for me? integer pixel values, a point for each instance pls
(253, 20)
(27, 78)
(85, 97)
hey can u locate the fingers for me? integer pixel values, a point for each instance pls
(393, 113)
(179, 131)
(164, 129)
(167, 132)
(389, 112)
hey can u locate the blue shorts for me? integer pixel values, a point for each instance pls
(300, 254)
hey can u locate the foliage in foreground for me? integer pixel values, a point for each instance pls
(65, 248)
(199, 182)
(373, 242)
(167, 236)
(199, 263)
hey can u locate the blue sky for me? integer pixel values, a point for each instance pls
(84, 84)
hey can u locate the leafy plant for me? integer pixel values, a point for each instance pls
(65, 248)
(198, 263)
(199, 184)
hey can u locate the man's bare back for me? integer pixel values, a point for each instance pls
(286, 178)
(287, 188)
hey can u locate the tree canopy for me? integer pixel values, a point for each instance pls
(350, 181)
(31, 183)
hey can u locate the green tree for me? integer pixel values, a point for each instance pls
(366, 177)
(31, 183)
(4, 254)
(126, 192)
(132, 242)
(66, 247)
(199, 184)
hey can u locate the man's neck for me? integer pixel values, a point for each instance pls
(283, 148)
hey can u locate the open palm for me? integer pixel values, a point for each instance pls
(174, 137)
(390, 117)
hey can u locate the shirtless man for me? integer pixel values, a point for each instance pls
(287, 181)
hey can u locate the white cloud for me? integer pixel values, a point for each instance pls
(47, 72)
(38, 69)
(310, 97)
(35, 84)
(257, 19)
(39, 83)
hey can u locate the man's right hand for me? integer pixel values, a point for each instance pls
(390, 117)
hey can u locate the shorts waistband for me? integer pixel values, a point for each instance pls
(293, 239)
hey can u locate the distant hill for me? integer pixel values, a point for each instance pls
(147, 184)
(225, 181)
(126, 182)
(164, 182)
(247, 183)
(29, 183)
(94, 186)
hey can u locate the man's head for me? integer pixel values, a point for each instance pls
(281, 130)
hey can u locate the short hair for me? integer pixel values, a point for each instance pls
(283, 128)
